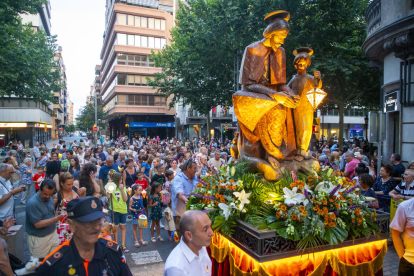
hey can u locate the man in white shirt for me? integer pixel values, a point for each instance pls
(403, 225)
(36, 151)
(87, 142)
(7, 192)
(190, 256)
(217, 162)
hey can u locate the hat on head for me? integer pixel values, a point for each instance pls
(276, 21)
(272, 17)
(304, 50)
(85, 209)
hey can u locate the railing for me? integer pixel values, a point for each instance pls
(221, 115)
(194, 114)
(373, 16)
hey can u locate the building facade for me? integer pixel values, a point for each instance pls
(133, 29)
(60, 110)
(390, 47)
(24, 119)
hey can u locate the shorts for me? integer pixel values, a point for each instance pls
(120, 219)
(134, 221)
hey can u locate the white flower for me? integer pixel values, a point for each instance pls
(369, 199)
(308, 188)
(243, 197)
(226, 209)
(292, 197)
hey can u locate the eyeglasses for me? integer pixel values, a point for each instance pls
(90, 224)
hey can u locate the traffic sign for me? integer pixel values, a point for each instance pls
(95, 128)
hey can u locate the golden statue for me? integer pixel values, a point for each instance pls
(264, 106)
(303, 113)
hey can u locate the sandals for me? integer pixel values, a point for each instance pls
(160, 239)
(125, 249)
(153, 240)
(143, 242)
(137, 244)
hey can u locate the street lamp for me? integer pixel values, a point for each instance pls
(315, 97)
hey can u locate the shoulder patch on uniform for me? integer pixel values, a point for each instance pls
(110, 244)
(56, 256)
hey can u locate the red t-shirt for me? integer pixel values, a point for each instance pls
(36, 178)
(143, 183)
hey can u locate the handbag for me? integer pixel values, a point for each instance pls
(15, 262)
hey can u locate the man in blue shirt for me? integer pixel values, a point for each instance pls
(183, 184)
(104, 171)
(41, 221)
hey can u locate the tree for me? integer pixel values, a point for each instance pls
(26, 56)
(198, 68)
(70, 128)
(86, 120)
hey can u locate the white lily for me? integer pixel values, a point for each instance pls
(308, 188)
(292, 197)
(226, 209)
(243, 197)
(369, 199)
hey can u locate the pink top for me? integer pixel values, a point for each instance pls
(351, 167)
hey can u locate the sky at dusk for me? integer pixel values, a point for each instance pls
(79, 26)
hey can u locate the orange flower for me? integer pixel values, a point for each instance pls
(231, 180)
(283, 208)
(217, 194)
(353, 220)
(325, 210)
(301, 187)
(350, 200)
(304, 213)
(331, 200)
(294, 216)
(324, 202)
(285, 217)
(332, 216)
(293, 185)
(337, 206)
(325, 223)
(278, 214)
(357, 212)
(302, 208)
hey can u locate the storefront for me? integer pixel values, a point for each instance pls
(27, 133)
(163, 130)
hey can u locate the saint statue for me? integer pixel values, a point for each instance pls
(301, 84)
(264, 107)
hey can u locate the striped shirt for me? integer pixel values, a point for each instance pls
(403, 190)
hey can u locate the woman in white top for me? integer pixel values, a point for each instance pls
(174, 167)
(81, 156)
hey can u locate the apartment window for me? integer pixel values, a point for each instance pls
(131, 60)
(131, 100)
(131, 40)
(151, 43)
(144, 41)
(122, 59)
(121, 19)
(122, 39)
(144, 60)
(137, 21)
(144, 22)
(157, 43)
(144, 80)
(151, 100)
(163, 24)
(122, 99)
(130, 20)
(138, 41)
(131, 80)
(151, 23)
(122, 79)
(138, 100)
(163, 42)
(157, 24)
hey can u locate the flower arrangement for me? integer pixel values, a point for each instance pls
(221, 195)
(324, 207)
(315, 209)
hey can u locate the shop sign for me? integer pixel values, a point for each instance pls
(391, 102)
(13, 124)
(37, 125)
(151, 125)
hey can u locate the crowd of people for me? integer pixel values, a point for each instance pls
(141, 168)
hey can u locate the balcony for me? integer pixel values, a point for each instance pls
(373, 17)
(195, 114)
(97, 69)
(221, 115)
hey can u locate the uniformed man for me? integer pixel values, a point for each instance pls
(86, 253)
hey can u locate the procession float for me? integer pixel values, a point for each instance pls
(277, 211)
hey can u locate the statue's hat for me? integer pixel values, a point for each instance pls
(299, 50)
(272, 17)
